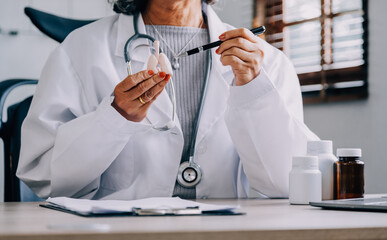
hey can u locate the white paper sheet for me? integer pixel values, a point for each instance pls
(86, 206)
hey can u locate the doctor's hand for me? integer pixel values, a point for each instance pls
(240, 50)
(135, 94)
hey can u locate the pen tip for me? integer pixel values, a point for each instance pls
(184, 54)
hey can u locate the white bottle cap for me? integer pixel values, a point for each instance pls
(308, 162)
(319, 147)
(349, 152)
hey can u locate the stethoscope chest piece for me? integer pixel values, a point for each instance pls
(189, 174)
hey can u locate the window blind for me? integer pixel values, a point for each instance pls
(327, 42)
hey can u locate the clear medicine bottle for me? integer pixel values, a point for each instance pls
(304, 180)
(326, 159)
(348, 174)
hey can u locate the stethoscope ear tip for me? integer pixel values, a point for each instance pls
(171, 124)
(167, 127)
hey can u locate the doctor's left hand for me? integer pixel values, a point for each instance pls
(240, 50)
(134, 95)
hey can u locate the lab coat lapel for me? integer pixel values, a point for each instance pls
(219, 83)
(160, 110)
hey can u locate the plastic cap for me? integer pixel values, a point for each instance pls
(310, 162)
(349, 152)
(319, 147)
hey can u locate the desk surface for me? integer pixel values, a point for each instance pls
(265, 219)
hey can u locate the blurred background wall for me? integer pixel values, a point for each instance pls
(362, 123)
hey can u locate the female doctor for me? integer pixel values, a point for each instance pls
(91, 131)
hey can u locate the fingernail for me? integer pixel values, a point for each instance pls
(217, 51)
(167, 77)
(221, 37)
(162, 74)
(150, 72)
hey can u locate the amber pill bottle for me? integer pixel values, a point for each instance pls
(348, 174)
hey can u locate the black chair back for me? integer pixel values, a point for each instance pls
(53, 26)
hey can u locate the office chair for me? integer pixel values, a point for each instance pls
(56, 28)
(10, 134)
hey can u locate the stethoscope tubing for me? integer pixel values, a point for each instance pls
(128, 60)
(191, 162)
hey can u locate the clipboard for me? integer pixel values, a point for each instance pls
(136, 211)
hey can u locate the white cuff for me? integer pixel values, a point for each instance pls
(240, 95)
(114, 121)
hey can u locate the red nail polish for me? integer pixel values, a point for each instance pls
(162, 74)
(167, 77)
(217, 51)
(221, 37)
(150, 72)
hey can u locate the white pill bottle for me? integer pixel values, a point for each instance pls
(326, 159)
(304, 180)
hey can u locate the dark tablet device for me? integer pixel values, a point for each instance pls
(355, 204)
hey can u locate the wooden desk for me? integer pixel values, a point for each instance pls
(265, 219)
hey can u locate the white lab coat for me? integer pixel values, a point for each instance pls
(75, 144)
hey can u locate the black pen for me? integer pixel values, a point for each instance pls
(256, 31)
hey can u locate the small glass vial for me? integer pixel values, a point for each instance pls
(348, 174)
(304, 180)
(326, 159)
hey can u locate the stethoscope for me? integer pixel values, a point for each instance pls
(189, 173)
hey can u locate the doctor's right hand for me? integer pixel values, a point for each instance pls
(135, 94)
